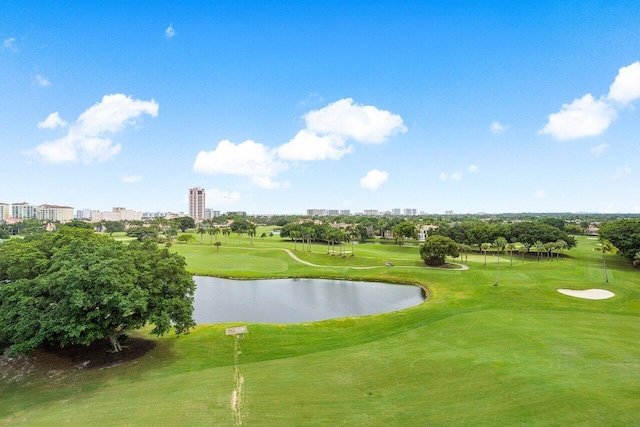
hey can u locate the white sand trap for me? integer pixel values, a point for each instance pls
(592, 238)
(588, 293)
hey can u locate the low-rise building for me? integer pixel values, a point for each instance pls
(54, 213)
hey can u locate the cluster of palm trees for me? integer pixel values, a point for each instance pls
(331, 235)
(208, 226)
(500, 245)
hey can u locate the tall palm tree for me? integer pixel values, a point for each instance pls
(226, 232)
(201, 231)
(251, 232)
(511, 247)
(562, 245)
(500, 244)
(607, 248)
(485, 247)
(539, 248)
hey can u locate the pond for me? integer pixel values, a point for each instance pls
(296, 300)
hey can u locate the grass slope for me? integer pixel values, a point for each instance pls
(474, 354)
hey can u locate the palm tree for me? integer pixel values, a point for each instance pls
(511, 247)
(499, 243)
(539, 248)
(215, 231)
(562, 245)
(251, 232)
(485, 247)
(295, 235)
(201, 231)
(226, 232)
(607, 248)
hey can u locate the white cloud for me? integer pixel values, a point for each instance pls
(473, 168)
(52, 121)
(169, 32)
(583, 117)
(539, 194)
(599, 149)
(621, 172)
(456, 176)
(636, 208)
(10, 44)
(307, 145)
(626, 86)
(374, 179)
(41, 81)
(359, 122)
(248, 158)
(86, 139)
(132, 179)
(496, 127)
(217, 197)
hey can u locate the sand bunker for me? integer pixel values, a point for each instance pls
(588, 293)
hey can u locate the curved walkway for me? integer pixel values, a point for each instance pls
(463, 267)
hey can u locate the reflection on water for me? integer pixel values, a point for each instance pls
(296, 300)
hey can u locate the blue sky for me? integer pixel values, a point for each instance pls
(277, 107)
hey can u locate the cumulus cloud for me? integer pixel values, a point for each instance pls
(248, 158)
(132, 179)
(583, 117)
(170, 32)
(40, 81)
(374, 179)
(539, 194)
(497, 128)
(359, 122)
(308, 145)
(87, 139)
(473, 168)
(10, 44)
(621, 172)
(588, 116)
(443, 176)
(599, 149)
(626, 86)
(216, 197)
(52, 121)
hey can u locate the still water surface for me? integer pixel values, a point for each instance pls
(296, 300)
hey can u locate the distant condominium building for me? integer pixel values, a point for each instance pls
(410, 212)
(83, 214)
(395, 211)
(196, 203)
(23, 211)
(210, 213)
(116, 214)
(345, 212)
(54, 213)
(372, 212)
(5, 211)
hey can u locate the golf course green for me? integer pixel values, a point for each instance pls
(471, 354)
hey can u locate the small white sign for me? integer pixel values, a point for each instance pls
(237, 330)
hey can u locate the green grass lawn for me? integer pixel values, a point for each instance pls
(473, 354)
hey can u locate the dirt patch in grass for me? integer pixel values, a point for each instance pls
(52, 361)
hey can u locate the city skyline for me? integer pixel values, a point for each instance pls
(280, 107)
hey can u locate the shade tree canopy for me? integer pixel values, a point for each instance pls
(76, 287)
(435, 249)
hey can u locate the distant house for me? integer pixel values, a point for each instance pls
(424, 231)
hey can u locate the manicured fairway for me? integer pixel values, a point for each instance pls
(474, 354)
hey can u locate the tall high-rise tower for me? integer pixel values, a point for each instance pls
(196, 203)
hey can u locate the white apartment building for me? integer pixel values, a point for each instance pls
(5, 210)
(54, 213)
(196, 203)
(23, 211)
(410, 212)
(116, 214)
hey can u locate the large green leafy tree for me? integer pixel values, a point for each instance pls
(78, 287)
(624, 234)
(436, 248)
